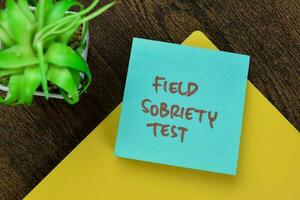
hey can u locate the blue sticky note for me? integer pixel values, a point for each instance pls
(183, 106)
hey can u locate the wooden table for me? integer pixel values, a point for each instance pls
(35, 139)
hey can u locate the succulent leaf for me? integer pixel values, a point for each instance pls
(5, 37)
(4, 21)
(18, 21)
(14, 88)
(23, 5)
(31, 81)
(42, 8)
(63, 79)
(59, 10)
(11, 58)
(8, 72)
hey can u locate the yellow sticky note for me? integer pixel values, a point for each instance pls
(268, 166)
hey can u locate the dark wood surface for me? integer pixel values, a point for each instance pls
(35, 139)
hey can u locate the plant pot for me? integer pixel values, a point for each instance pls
(82, 50)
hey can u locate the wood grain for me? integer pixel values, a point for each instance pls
(35, 139)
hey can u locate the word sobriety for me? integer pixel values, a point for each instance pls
(173, 111)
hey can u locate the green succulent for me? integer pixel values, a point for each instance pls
(36, 49)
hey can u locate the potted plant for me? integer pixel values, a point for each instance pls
(43, 50)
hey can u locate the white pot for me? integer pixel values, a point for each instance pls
(57, 95)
